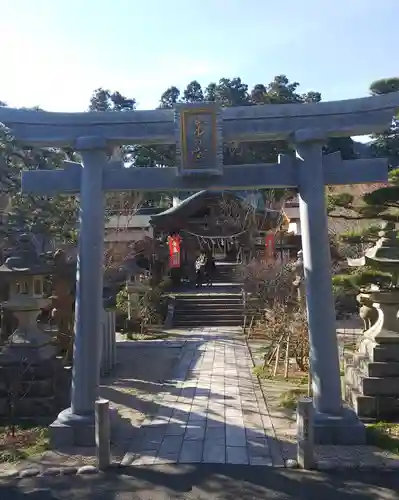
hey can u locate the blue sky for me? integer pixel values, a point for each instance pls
(55, 53)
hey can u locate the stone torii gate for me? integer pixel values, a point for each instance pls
(199, 131)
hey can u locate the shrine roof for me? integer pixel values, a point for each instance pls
(189, 205)
(183, 204)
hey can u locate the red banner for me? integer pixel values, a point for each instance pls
(174, 260)
(270, 245)
(174, 243)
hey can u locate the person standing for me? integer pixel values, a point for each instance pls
(199, 269)
(210, 268)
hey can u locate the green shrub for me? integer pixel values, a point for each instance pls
(289, 399)
(122, 300)
(359, 278)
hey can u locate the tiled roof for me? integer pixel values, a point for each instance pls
(194, 201)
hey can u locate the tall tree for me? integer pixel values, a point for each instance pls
(382, 203)
(193, 92)
(133, 155)
(169, 98)
(106, 100)
(228, 92)
(47, 218)
(386, 144)
(234, 92)
(366, 210)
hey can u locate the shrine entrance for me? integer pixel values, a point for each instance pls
(220, 223)
(200, 132)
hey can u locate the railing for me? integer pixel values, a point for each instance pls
(108, 345)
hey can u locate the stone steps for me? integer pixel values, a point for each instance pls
(212, 309)
(227, 273)
(210, 306)
(372, 387)
(199, 323)
(372, 408)
(386, 352)
(374, 368)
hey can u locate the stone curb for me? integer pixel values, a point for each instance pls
(83, 470)
(329, 465)
(132, 344)
(86, 470)
(326, 465)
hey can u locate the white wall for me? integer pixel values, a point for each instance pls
(128, 221)
(127, 235)
(294, 227)
(125, 228)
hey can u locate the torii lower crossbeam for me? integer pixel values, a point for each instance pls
(282, 174)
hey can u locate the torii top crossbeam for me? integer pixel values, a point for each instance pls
(292, 122)
(243, 123)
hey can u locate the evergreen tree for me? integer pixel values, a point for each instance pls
(376, 205)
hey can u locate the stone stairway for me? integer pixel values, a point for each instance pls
(209, 308)
(372, 383)
(227, 272)
(218, 305)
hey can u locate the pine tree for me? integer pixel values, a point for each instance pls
(375, 205)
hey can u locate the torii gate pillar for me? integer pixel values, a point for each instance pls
(333, 422)
(76, 424)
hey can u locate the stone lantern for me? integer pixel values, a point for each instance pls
(5, 207)
(299, 282)
(34, 382)
(25, 273)
(372, 374)
(136, 280)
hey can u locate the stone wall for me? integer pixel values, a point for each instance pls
(34, 392)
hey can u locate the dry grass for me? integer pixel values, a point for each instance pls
(289, 399)
(22, 442)
(280, 318)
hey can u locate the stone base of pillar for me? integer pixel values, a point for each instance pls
(72, 430)
(343, 429)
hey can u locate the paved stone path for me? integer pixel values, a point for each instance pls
(212, 411)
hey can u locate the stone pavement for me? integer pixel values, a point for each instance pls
(212, 411)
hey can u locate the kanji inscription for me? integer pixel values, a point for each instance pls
(199, 139)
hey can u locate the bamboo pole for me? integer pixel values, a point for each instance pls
(287, 357)
(277, 360)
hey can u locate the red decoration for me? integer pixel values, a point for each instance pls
(174, 243)
(270, 245)
(174, 260)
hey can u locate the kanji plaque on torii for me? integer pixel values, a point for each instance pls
(199, 132)
(199, 142)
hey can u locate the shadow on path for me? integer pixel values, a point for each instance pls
(209, 482)
(212, 410)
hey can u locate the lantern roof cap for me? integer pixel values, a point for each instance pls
(24, 259)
